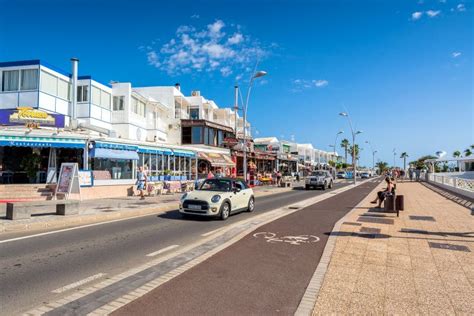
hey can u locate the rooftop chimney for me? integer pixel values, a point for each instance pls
(74, 65)
(177, 86)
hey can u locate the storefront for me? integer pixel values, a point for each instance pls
(217, 163)
(34, 158)
(167, 164)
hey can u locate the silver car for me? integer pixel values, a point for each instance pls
(319, 179)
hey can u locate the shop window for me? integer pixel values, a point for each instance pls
(49, 83)
(119, 103)
(10, 80)
(196, 136)
(206, 135)
(29, 79)
(82, 93)
(220, 138)
(117, 168)
(186, 135)
(212, 136)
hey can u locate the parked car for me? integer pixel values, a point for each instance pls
(319, 179)
(218, 197)
(364, 175)
(341, 175)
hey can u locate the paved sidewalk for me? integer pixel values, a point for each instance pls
(92, 211)
(419, 263)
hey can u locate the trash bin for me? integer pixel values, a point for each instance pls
(400, 203)
(389, 203)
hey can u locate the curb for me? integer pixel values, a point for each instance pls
(308, 301)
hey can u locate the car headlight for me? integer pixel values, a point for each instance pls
(215, 198)
(184, 196)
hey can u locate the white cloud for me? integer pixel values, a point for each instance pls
(195, 16)
(432, 13)
(416, 15)
(460, 7)
(320, 83)
(303, 84)
(207, 49)
(442, 1)
(456, 54)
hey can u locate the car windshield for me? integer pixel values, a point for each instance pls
(216, 185)
(318, 174)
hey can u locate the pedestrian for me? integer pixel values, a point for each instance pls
(381, 195)
(141, 182)
(278, 178)
(210, 175)
(417, 173)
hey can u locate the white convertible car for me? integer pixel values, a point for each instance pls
(218, 197)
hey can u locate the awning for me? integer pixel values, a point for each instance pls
(116, 146)
(31, 141)
(113, 154)
(217, 160)
(183, 153)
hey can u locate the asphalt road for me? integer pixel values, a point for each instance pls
(30, 269)
(254, 276)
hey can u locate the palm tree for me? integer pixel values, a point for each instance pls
(467, 152)
(345, 144)
(382, 166)
(457, 154)
(404, 155)
(357, 152)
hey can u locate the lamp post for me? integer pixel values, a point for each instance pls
(373, 154)
(256, 75)
(335, 141)
(394, 156)
(354, 133)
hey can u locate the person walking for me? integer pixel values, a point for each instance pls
(141, 182)
(278, 178)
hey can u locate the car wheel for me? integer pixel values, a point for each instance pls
(307, 187)
(324, 186)
(225, 211)
(330, 185)
(251, 206)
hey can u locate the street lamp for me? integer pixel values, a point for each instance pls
(335, 141)
(354, 164)
(373, 154)
(256, 75)
(394, 156)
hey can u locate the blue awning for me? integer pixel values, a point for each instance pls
(184, 153)
(113, 154)
(33, 141)
(107, 145)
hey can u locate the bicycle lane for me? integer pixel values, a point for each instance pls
(256, 275)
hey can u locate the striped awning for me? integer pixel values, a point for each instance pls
(37, 141)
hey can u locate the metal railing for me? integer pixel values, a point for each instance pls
(455, 182)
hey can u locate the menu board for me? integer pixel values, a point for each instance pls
(68, 181)
(85, 178)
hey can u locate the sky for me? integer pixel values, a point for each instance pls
(403, 70)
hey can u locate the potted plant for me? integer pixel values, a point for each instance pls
(31, 165)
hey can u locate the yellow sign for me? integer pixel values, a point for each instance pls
(31, 117)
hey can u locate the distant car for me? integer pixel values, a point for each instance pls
(218, 197)
(364, 175)
(319, 179)
(341, 175)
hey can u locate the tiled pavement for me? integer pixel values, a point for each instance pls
(395, 268)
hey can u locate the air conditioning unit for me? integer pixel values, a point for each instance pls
(196, 93)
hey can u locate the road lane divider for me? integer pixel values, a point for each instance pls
(78, 283)
(212, 232)
(156, 253)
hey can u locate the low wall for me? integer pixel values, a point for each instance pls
(106, 191)
(450, 183)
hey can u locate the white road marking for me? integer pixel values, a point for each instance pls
(78, 283)
(212, 232)
(161, 250)
(73, 228)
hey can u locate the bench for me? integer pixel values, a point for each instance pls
(394, 203)
(24, 210)
(285, 184)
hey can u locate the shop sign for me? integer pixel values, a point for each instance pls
(31, 118)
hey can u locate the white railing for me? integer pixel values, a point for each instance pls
(455, 182)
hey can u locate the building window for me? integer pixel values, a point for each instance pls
(49, 83)
(194, 114)
(10, 80)
(29, 79)
(186, 135)
(220, 138)
(119, 103)
(82, 93)
(196, 135)
(212, 135)
(138, 107)
(177, 110)
(95, 95)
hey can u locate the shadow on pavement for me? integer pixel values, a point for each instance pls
(354, 234)
(176, 215)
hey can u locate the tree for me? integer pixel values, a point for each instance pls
(357, 152)
(345, 144)
(382, 166)
(457, 154)
(404, 155)
(467, 152)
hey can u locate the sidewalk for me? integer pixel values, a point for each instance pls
(419, 263)
(101, 210)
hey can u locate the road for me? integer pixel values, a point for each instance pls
(31, 269)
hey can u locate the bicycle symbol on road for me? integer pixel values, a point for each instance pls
(292, 240)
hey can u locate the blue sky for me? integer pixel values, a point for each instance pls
(403, 69)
